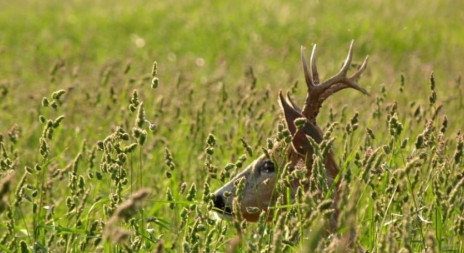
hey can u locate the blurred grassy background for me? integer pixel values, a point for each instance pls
(263, 33)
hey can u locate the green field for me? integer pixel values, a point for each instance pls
(83, 127)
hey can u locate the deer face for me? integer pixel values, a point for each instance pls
(261, 176)
(259, 182)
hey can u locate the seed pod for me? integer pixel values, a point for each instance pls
(192, 192)
(170, 198)
(247, 147)
(45, 102)
(140, 121)
(155, 82)
(57, 94)
(154, 70)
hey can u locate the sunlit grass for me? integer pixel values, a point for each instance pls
(85, 132)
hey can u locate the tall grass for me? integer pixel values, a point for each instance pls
(102, 150)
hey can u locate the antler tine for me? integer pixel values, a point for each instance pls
(317, 93)
(342, 78)
(363, 67)
(308, 78)
(313, 65)
(342, 73)
(349, 57)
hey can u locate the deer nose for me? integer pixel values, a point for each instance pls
(219, 202)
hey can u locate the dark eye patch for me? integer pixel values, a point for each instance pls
(267, 167)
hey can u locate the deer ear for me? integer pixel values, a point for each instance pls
(289, 99)
(300, 142)
(290, 114)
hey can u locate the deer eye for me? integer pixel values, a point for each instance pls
(267, 167)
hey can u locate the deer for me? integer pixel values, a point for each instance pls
(263, 173)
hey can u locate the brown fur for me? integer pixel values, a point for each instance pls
(259, 189)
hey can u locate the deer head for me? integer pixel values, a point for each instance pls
(262, 174)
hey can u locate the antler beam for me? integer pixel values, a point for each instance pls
(319, 92)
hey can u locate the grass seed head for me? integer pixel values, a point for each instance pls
(44, 148)
(127, 68)
(206, 192)
(433, 94)
(129, 207)
(45, 102)
(459, 149)
(444, 124)
(57, 121)
(154, 70)
(140, 121)
(300, 122)
(57, 94)
(192, 192)
(154, 82)
(247, 147)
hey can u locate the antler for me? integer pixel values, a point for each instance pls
(319, 92)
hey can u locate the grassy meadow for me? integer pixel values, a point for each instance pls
(103, 150)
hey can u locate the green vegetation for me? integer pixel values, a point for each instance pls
(102, 151)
